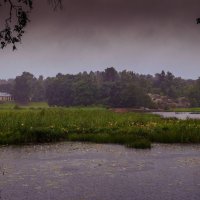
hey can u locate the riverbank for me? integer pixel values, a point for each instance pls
(96, 125)
(195, 110)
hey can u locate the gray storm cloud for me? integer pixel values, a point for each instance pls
(145, 36)
(133, 19)
(125, 11)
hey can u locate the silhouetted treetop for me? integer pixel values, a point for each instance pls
(17, 12)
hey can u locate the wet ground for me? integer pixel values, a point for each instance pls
(76, 171)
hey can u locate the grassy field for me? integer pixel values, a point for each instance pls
(34, 105)
(42, 124)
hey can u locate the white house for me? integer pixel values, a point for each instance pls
(5, 96)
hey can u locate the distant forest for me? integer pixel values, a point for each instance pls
(108, 88)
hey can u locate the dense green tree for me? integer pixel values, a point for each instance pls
(6, 87)
(23, 87)
(59, 90)
(194, 94)
(85, 90)
(38, 93)
(109, 88)
(110, 74)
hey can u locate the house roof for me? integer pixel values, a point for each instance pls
(4, 94)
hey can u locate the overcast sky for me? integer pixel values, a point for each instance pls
(145, 36)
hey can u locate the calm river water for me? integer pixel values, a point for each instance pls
(77, 171)
(179, 115)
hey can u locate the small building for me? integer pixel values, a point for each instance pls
(5, 96)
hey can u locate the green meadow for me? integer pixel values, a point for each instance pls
(41, 124)
(33, 105)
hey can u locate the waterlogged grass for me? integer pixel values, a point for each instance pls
(99, 125)
(9, 105)
(32, 105)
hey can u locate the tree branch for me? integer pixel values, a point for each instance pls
(18, 18)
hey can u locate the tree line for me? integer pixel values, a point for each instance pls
(109, 87)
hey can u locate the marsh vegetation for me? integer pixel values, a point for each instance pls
(93, 124)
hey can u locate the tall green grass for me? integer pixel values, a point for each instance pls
(32, 105)
(99, 125)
